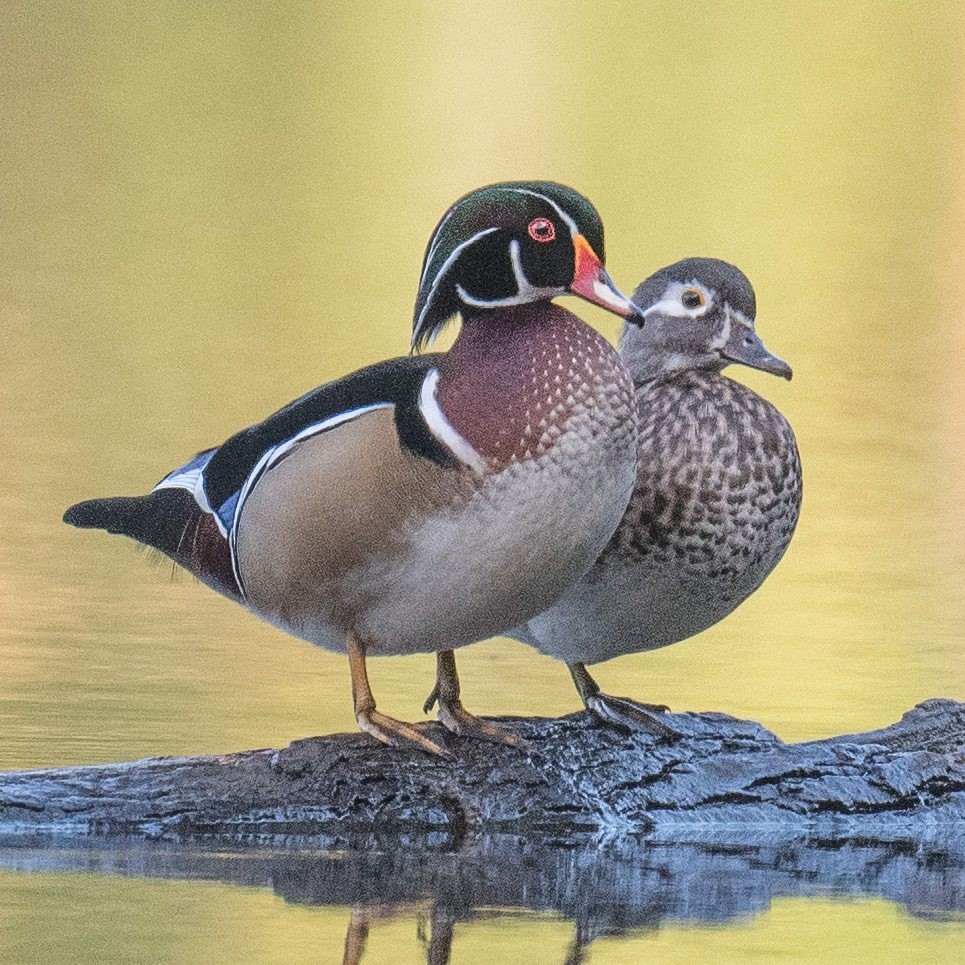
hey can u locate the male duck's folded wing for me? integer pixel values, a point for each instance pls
(396, 382)
(190, 513)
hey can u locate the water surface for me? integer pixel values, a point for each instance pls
(437, 900)
(205, 211)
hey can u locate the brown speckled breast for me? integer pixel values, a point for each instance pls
(512, 382)
(718, 487)
(716, 499)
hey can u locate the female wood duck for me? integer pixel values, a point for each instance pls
(718, 489)
(424, 503)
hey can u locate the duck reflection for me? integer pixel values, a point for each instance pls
(435, 926)
(434, 929)
(606, 887)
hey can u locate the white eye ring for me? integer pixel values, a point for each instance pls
(672, 302)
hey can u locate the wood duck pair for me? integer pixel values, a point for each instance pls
(426, 502)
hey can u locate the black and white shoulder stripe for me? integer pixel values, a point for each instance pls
(221, 479)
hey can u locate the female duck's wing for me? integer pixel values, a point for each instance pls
(190, 514)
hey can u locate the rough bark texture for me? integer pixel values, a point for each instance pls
(576, 779)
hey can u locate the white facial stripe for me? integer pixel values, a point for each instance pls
(522, 282)
(570, 223)
(523, 285)
(723, 336)
(525, 291)
(441, 428)
(430, 254)
(730, 316)
(671, 303)
(446, 265)
(567, 220)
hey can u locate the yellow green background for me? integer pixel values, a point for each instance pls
(208, 208)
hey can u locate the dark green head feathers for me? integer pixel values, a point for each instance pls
(509, 244)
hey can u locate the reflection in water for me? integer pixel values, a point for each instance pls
(434, 925)
(605, 887)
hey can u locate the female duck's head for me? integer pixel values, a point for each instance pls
(698, 313)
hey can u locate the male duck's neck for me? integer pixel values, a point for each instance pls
(514, 376)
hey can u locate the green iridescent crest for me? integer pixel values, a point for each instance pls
(470, 259)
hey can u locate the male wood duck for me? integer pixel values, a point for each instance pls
(424, 503)
(718, 489)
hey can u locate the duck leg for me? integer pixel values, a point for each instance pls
(439, 950)
(453, 715)
(619, 711)
(576, 953)
(356, 937)
(383, 728)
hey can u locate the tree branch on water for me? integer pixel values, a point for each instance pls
(575, 778)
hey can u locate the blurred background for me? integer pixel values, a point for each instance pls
(207, 209)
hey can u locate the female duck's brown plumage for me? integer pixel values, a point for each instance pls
(426, 502)
(718, 487)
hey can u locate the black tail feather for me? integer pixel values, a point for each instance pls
(171, 521)
(122, 515)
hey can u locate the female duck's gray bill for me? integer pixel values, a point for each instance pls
(746, 348)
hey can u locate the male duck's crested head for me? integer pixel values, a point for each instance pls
(699, 313)
(511, 244)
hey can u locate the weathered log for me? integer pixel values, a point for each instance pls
(574, 778)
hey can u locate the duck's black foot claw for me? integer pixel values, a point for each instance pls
(630, 715)
(431, 699)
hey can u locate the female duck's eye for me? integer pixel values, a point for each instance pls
(691, 298)
(542, 229)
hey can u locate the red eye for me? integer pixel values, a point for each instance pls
(542, 229)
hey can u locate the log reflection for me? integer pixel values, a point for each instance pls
(605, 887)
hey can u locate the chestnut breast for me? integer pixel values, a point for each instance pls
(511, 384)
